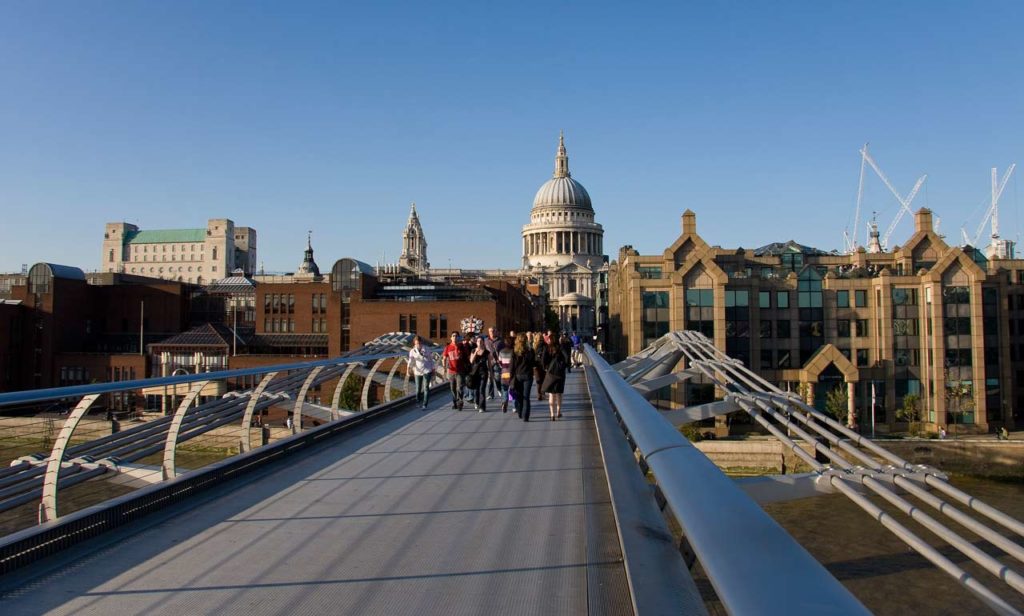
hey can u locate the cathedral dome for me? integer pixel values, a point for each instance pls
(561, 190)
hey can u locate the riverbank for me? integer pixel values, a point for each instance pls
(974, 457)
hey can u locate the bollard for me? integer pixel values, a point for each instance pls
(115, 426)
(265, 434)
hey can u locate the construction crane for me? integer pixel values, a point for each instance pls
(851, 243)
(997, 247)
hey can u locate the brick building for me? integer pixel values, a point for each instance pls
(938, 321)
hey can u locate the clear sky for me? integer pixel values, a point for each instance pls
(334, 116)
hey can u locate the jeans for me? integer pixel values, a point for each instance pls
(457, 383)
(522, 389)
(494, 383)
(422, 388)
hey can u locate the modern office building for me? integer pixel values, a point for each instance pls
(939, 321)
(186, 255)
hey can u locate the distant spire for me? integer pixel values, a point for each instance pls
(561, 158)
(412, 212)
(309, 266)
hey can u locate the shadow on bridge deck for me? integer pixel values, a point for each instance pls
(423, 512)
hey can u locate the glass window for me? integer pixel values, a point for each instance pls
(843, 299)
(861, 297)
(782, 299)
(764, 299)
(843, 328)
(766, 329)
(862, 328)
(782, 329)
(862, 357)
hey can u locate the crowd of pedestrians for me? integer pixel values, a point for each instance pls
(502, 368)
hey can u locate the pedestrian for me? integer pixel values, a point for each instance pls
(504, 371)
(942, 432)
(538, 372)
(577, 350)
(493, 343)
(556, 364)
(456, 364)
(479, 367)
(524, 361)
(566, 345)
(421, 366)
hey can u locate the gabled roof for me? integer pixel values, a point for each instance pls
(205, 335)
(778, 248)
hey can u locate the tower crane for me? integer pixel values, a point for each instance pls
(903, 201)
(1000, 248)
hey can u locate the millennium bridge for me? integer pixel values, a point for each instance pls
(394, 509)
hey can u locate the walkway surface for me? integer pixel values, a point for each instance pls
(425, 512)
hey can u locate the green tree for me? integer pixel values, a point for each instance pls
(352, 393)
(836, 404)
(959, 400)
(551, 319)
(911, 412)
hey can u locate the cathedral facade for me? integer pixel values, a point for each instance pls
(562, 250)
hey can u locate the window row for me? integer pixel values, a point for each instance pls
(279, 303)
(279, 326)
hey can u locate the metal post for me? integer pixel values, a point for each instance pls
(48, 507)
(171, 443)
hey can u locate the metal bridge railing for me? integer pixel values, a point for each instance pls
(856, 467)
(46, 462)
(755, 566)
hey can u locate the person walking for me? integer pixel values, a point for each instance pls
(504, 371)
(538, 372)
(479, 367)
(566, 345)
(456, 364)
(524, 361)
(577, 350)
(556, 364)
(494, 344)
(421, 366)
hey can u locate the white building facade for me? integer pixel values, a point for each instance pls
(197, 256)
(563, 249)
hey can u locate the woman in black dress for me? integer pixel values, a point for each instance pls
(555, 362)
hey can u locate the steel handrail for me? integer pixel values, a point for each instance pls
(755, 566)
(77, 391)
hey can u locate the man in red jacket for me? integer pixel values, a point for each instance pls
(456, 364)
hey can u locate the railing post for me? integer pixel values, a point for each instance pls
(171, 444)
(48, 506)
(364, 402)
(300, 399)
(254, 398)
(337, 391)
(391, 376)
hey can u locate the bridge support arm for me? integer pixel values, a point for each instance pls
(171, 444)
(300, 399)
(691, 414)
(246, 442)
(48, 507)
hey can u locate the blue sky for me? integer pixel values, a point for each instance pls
(335, 116)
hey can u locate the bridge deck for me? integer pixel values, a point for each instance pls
(424, 512)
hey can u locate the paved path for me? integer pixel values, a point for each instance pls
(435, 512)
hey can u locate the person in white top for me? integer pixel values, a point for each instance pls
(421, 366)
